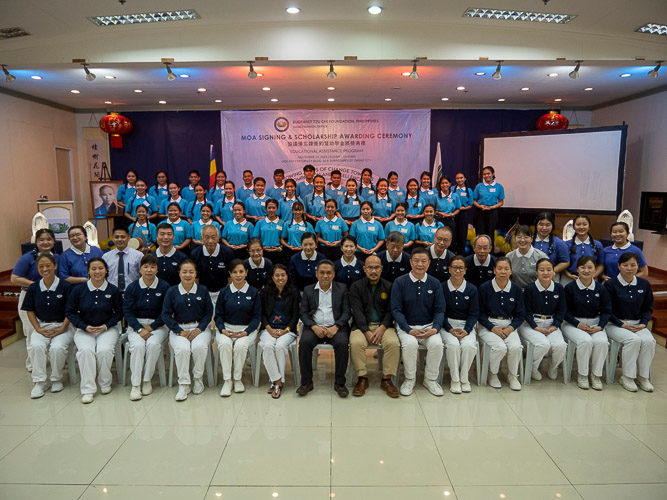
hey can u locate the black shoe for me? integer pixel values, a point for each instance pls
(304, 389)
(341, 390)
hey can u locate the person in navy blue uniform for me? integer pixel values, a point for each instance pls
(458, 327)
(488, 196)
(325, 313)
(187, 311)
(465, 200)
(44, 304)
(395, 261)
(479, 266)
(611, 255)
(212, 260)
(545, 311)
(168, 257)
(238, 314)
(501, 312)
(95, 310)
(631, 309)
(552, 245)
(303, 265)
(588, 312)
(348, 268)
(582, 244)
(73, 264)
(258, 266)
(440, 254)
(146, 332)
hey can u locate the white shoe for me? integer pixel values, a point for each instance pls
(238, 386)
(494, 381)
(553, 372)
(596, 383)
(57, 386)
(183, 391)
(147, 388)
(535, 374)
(433, 387)
(465, 387)
(644, 384)
(105, 390)
(226, 390)
(407, 386)
(135, 393)
(515, 385)
(198, 386)
(455, 387)
(87, 398)
(628, 384)
(37, 390)
(582, 382)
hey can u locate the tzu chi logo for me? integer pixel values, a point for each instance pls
(281, 124)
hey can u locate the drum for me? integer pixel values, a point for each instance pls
(135, 243)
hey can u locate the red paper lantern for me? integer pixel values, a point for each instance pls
(116, 125)
(552, 121)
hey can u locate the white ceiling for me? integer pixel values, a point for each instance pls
(213, 51)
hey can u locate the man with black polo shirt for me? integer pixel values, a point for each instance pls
(395, 262)
(168, 257)
(212, 261)
(479, 266)
(440, 255)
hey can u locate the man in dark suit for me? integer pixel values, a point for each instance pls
(325, 311)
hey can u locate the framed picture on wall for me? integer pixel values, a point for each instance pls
(103, 196)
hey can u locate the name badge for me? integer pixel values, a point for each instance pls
(302, 228)
(174, 263)
(198, 298)
(640, 291)
(419, 204)
(179, 228)
(262, 203)
(335, 228)
(357, 271)
(388, 204)
(492, 190)
(434, 229)
(221, 265)
(555, 296)
(371, 228)
(370, 191)
(466, 297)
(597, 294)
(244, 229)
(464, 193)
(279, 228)
(404, 230)
(322, 202)
(248, 297)
(355, 202)
(60, 296)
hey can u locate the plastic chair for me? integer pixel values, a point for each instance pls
(208, 365)
(569, 362)
(160, 364)
(118, 357)
(486, 348)
(252, 354)
(478, 362)
(421, 364)
(71, 365)
(294, 361)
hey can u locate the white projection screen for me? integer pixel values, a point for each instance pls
(561, 170)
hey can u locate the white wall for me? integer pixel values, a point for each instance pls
(646, 160)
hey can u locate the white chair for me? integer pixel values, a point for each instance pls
(486, 348)
(612, 359)
(71, 365)
(209, 367)
(294, 361)
(569, 363)
(478, 363)
(118, 357)
(252, 355)
(160, 365)
(421, 364)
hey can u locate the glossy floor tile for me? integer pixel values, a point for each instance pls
(268, 493)
(13, 435)
(560, 492)
(444, 492)
(379, 409)
(104, 492)
(653, 436)
(622, 491)
(33, 491)
(479, 407)
(290, 410)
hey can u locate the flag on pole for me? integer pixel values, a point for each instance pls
(213, 169)
(437, 169)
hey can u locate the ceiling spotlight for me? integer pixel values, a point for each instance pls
(162, 102)
(108, 102)
(110, 77)
(218, 100)
(588, 89)
(654, 72)
(501, 100)
(36, 77)
(75, 91)
(274, 100)
(331, 74)
(201, 89)
(137, 91)
(292, 10)
(374, 9)
(574, 74)
(405, 73)
(552, 75)
(460, 88)
(9, 78)
(480, 73)
(170, 74)
(184, 76)
(89, 76)
(525, 88)
(331, 99)
(414, 75)
(625, 75)
(266, 89)
(387, 99)
(444, 99)
(252, 74)
(331, 88)
(558, 100)
(496, 75)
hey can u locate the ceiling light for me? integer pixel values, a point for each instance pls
(480, 73)
(109, 77)
(108, 102)
(331, 99)
(460, 88)
(147, 17)
(170, 74)
(292, 10)
(137, 91)
(274, 100)
(36, 77)
(414, 75)
(574, 74)
(625, 75)
(653, 29)
(331, 74)
(525, 88)
(444, 99)
(558, 99)
(374, 9)
(201, 89)
(252, 74)
(331, 88)
(218, 100)
(496, 75)
(184, 76)
(405, 73)
(552, 75)
(387, 99)
(162, 102)
(518, 15)
(89, 76)
(266, 89)
(75, 91)
(654, 72)
(260, 74)
(9, 78)
(501, 100)
(588, 89)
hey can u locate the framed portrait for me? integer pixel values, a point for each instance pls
(103, 196)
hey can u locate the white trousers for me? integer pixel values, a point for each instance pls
(588, 346)
(27, 329)
(543, 343)
(95, 354)
(184, 349)
(460, 352)
(511, 345)
(144, 354)
(409, 346)
(58, 348)
(638, 349)
(233, 352)
(275, 353)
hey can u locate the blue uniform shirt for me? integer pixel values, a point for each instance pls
(447, 204)
(396, 195)
(215, 194)
(256, 207)
(224, 209)
(75, 263)
(194, 210)
(348, 273)
(336, 193)
(182, 231)
(331, 230)
(146, 233)
(464, 195)
(587, 302)
(268, 231)
(198, 225)
(160, 193)
(630, 301)
(315, 205)
(237, 233)
(181, 202)
(167, 265)
(367, 233)
(293, 232)
(427, 232)
(125, 193)
(243, 193)
(366, 193)
(417, 302)
(557, 250)
(488, 194)
(181, 307)
(610, 256)
(188, 193)
(461, 303)
(26, 267)
(407, 229)
(48, 304)
(148, 201)
(276, 193)
(90, 306)
(144, 302)
(238, 307)
(304, 189)
(427, 196)
(415, 205)
(285, 207)
(496, 302)
(577, 249)
(383, 207)
(351, 209)
(545, 302)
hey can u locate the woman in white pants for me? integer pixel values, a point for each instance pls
(280, 314)
(238, 313)
(458, 328)
(45, 303)
(146, 332)
(545, 311)
(588, 312)
(631, 309)
(95, 308)
(187, 312)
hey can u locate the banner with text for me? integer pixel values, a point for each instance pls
(347, 140)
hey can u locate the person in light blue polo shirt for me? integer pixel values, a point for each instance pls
(141, 197)
(464, 219)
(294, 230)
(144, 230)
(396, 192)
(206, 219)
(238, 231)
(286, 202)
(330, 231)
(335, 188)
(268, 230)
(174, 197)
(193, 208)
(488, 197)
(426, 192)
(247, 189)
(189, 192)
(447, 205)
(127, 190)
(349, 205)
(306, 187)
(402, 225)
(315, 201)
(255, 204)
(427, 228)
(217, 192)
(414, 202)
(366, 190)
(223, 209)
(368, 232)
(160, 191)
(182, 228)
(277, 191)
(383, 205)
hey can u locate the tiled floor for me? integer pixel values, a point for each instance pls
(547, 441)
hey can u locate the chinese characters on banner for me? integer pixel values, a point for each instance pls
(95, 156)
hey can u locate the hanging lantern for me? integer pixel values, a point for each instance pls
(116, 125)
(552, 121)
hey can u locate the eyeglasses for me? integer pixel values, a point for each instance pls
(442, 240)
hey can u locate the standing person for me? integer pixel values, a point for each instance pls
(480, 265)
(373, 325)
(217, 192)
(303, 265)
(488, 196)
(458, 327)
(366, 190)
(74, 261)
(205, 220)
(427, 227)
(255, 204)
(350, 203)
(95, 310)
(194, 207)
(182, 228)
(552, 245)
(237, 232)
(238, 313)
(141, 197)
(305, 188)
(127, 190)
(143, 229)
(440, 254)
(418, 307)
(465, 200)
(268, 230)
(146, 333)
(448, 207)
(396, 193)
(325, 313)
(631, 309)
(582, 244)
(187, 311)
(611, 255)
(174, 197)
(348, 268)
(412, 200)
(501, 312)
(286, 203)
(44, 304)
(524, 257)
(330, 231)
(189, 192)
(167, 256)
(160, 190)
(395, 261)
(427, 192)
(123, 262)
(335, 189)
(545, 311)
(243, 192)
(277, 191)
(588, 312)
(280, 314)
(293, 231)
(258, 266)
(224, 207)
(402, 225)
(212, 260)
(368, 232)
(316, 200)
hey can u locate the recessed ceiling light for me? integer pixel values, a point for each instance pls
(445, 99)
(36, 77)
(653, 29)
(147, 17)
(387, 99)
(292, 10)
(184, 76)
(260, 74)
(108, 102)
(518, 15)
(460, 88)
(558, 99)
(553, 75)
(218, 100)
(525, 88)
(162, 102)
(625, 75)
(331, 88)
(374, 9)
(138, 91)
(266, 89)
(274, 100)
(501, 100)
(201, 89)
(588, 88)
(75, 91)
(406, 73)
(109, 77)
(480, 73)
(331, 99)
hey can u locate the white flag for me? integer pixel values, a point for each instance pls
(437, 169)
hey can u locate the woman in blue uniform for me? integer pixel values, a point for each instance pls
(582, 244)
(146, 333)
(238, 313)
(330, 231)
(217, 192)
(610, 255)
(545, 311)
(44, 304)
(396, 192)
(348, 268)
(631, 309)
(189, 192)
(255, 204)
(315, 201)
(182, 228)
(368, 232)
(141, 197)
(73, 264)
(258, 266)
(237, 232)
(193, 212)
(464, 197)
(412, 200)
(447, 207)
(401, 224)
(126, 191)
(286, 203)
(588, 312)
(224, 207)
(383, 206)
(174, 197)
(366, 189)
(350, 205)
(144, 230)
(427, 192)
(426, 229)
(95, 310)
(160, 190)
(302, 265)
(206, 219)
(294, 230)
(552, 245)
(488, 196)
(268, 230)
